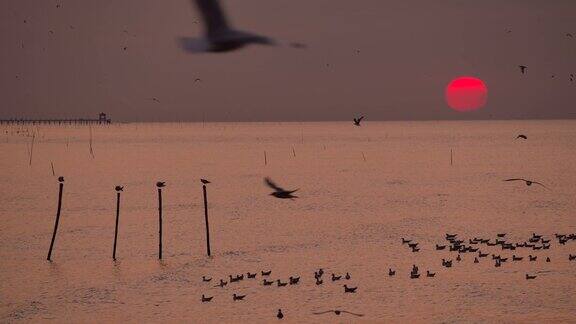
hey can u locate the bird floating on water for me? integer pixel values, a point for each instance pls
(279, 314)
(206, 299)
(358, 120)
(349, 289)
(238, 297)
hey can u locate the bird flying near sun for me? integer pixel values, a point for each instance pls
(466, 94)
(220, 36)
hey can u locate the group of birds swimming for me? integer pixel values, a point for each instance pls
(292, 280)
(476, 247)
(536, 242)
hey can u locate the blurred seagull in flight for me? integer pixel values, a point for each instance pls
(358, 120)
(522, 68)
(278, 191)
(528, 182)
(219, 34)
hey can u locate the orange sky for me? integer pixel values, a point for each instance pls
(408, 51)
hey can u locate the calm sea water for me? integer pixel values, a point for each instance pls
(361, 190)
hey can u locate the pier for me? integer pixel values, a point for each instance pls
(101, 120)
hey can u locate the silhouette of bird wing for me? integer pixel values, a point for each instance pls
(360, 315)
(194, 45)
(213, 15)
(324, 312)
(518, 179)
(538, 183)
(272, 185)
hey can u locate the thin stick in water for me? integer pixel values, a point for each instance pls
(265, 159)
(61, 180)
(118, 189)
(90, 143)
(206, 219)
(32, 148)
(52, 165)
(293, 152)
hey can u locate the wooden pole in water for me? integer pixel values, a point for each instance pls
(32, 148)
(118, 189)
(293, 151)
(206, 220)
(52, 165)
(61, 180)
(159, 220)
(265, 159)
(451, 159)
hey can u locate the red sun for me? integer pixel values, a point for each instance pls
(466, 94)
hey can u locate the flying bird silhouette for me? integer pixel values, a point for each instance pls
(338, 312)
(219, 34)
(521, 136)
(358, 120)
(522, 68)
(528, 182)
(298, 45)
(278, 191)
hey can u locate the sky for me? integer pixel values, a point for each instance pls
(385, 59)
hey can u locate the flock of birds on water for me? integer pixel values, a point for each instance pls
(475, 247)
(292, 281)
(472, 247)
